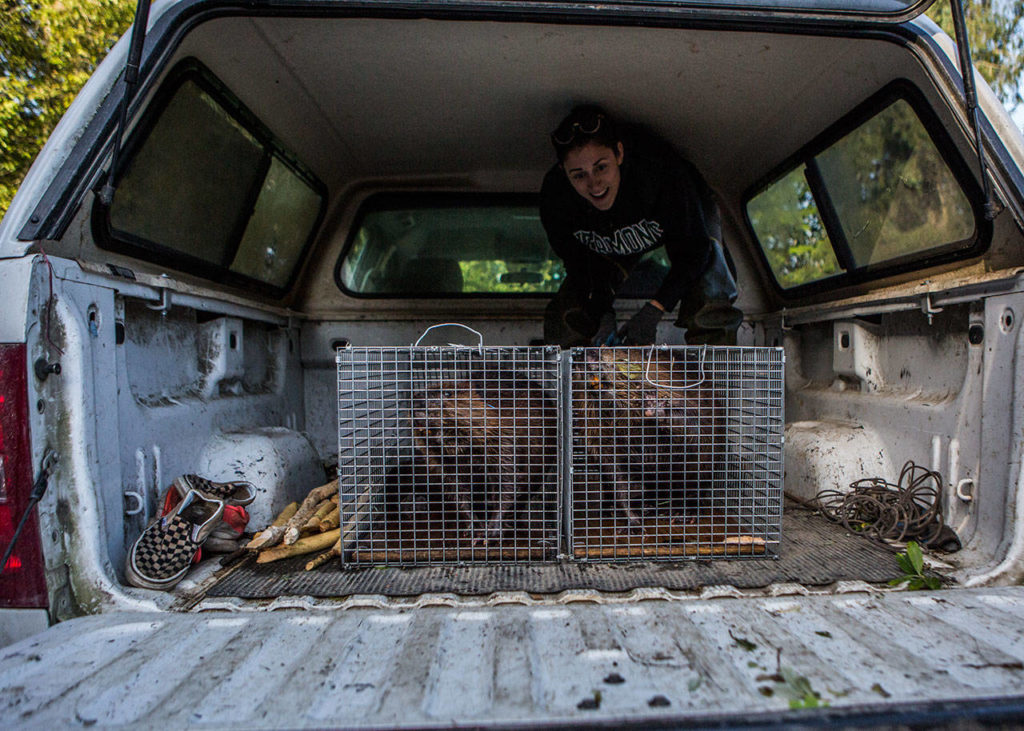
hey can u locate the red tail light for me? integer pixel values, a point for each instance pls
(22, 583)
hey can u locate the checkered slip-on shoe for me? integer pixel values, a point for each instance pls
(232, 493)
(160, 557)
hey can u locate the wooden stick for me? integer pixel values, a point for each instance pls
(319, 514)
(260, 538)
(323, 558)
(349, 532)
(313, 543)
(347, 535)
(331, 521)
(316, 496)
(286, 514)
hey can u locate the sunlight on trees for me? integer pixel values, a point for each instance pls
(996, 30)
(892, 196)
(48, 49)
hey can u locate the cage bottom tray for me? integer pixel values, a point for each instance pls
(706, 532)
(684, 534)
(813, 552)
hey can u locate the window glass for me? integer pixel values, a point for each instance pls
(880, 195)
(450, 248)
(207, 189)
(285, 213)
(194, 140)
(892, 191)
(786, 221)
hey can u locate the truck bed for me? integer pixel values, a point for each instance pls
(814, 552)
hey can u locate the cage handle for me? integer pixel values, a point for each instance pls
(480, 345)
(647, 372)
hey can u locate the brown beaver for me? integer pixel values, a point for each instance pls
(649, 422)
(489, 442)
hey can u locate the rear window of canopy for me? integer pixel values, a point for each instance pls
(447, 245)
(444, 245)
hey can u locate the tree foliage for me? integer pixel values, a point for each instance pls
(786, 219)
(891, 193)
(48, 49)
(485, 276)
(996, 30)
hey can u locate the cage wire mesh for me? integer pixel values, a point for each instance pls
(448, 454)
(676, 452)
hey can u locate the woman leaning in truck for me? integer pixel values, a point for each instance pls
(615, 194)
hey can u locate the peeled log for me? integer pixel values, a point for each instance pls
(263, 537)
(316, 496)
(312, 544)
(323, 558)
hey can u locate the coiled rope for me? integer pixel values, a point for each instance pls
(910, 510)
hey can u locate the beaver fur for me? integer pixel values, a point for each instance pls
(489, 442)
(649, 424)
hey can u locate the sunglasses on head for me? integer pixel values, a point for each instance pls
(567, 131)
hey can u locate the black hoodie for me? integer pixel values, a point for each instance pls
(661, 201)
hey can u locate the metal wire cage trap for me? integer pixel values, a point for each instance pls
(676, 452)
(449, 454)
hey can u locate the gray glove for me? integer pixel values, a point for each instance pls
(642, 328)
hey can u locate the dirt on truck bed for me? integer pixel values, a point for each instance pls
(814, 552)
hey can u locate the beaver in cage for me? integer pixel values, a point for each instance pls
(650, 426)
(490, 443)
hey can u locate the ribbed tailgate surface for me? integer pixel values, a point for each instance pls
(515, 664)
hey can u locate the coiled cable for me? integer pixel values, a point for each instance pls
(910, 510)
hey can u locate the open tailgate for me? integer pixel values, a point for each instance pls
(897, 655)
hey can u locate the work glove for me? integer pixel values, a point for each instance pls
(606, 334)
(642, 328)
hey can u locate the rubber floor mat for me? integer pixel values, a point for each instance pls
(814, 552)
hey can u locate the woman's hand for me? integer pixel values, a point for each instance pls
(642, 328)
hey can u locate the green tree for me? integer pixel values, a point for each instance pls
(785, 217)
(48, 49)
(996, 30)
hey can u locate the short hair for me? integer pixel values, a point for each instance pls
(586, 123)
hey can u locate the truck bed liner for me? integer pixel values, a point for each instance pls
(814, 552)
(937, 654)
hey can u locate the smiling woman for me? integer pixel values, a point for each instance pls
(614, 196)
(593, 171)
(593, 166)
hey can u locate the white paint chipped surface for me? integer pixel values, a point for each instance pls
(444, 665)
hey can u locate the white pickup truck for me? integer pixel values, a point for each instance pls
(298, 176)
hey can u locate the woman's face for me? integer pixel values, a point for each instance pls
(593, 171)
